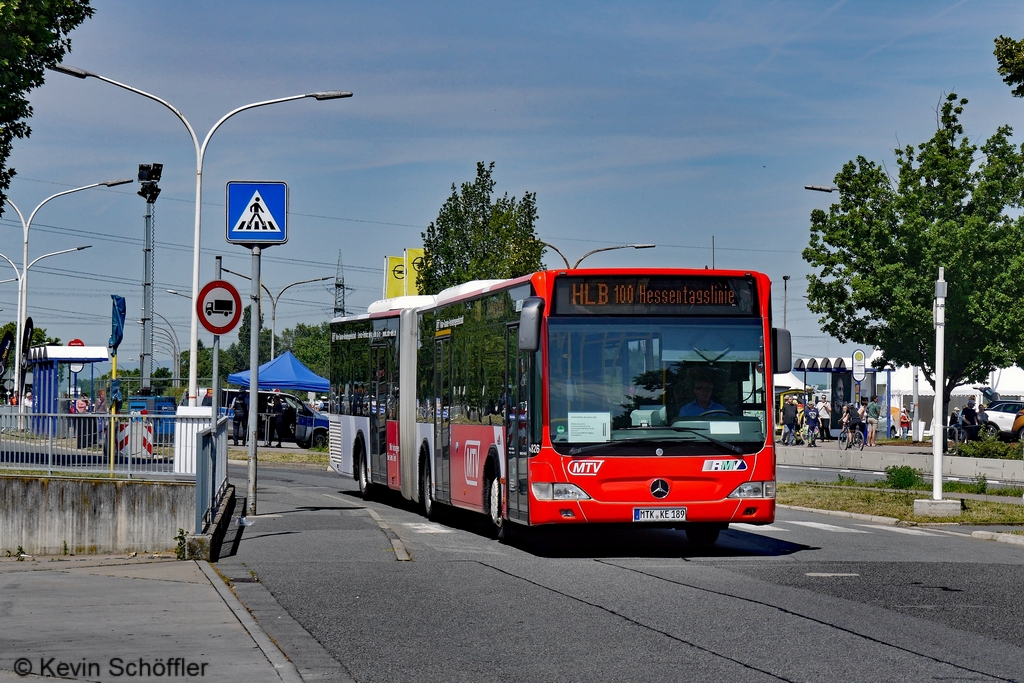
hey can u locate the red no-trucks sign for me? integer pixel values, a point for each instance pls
(219, 307)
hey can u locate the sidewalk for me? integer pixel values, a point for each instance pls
(108, 618)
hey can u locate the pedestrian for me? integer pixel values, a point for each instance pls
(240, 418)
(904, 423)
(969, 420)
(788, 419)
(277, 421)
(824, 418)
(873, 411)
(208, 398)
(811, 420)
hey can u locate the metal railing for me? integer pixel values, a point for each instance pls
(136, 446)
(211, 471)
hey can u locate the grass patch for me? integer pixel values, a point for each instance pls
(893, 504)
(309, 457)
(909, 479)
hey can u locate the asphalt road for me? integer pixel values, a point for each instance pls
(810, 598)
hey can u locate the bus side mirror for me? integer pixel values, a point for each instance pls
(529, 324)
(782, 351)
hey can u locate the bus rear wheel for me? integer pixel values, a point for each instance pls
(492, 505)
(426, 497)
(362, 476)
(702, 535)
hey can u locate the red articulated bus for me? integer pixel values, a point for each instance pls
(633, 396)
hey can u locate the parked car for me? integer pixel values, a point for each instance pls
(1002, 419)
(304, 426)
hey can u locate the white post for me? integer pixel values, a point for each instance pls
(938, 432)
(914, 408)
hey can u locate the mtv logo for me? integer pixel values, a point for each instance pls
(585, 468)
(471, 462)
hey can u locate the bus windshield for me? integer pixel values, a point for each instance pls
(665, 386)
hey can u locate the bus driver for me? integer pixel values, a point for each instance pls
(701, 402)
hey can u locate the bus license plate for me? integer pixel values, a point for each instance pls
(659, 514)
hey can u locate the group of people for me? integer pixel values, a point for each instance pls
(970, 418)
(815, 417)
(277, 424)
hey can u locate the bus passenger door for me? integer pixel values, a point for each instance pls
(380, 385)
(516, 426)
(442, 418)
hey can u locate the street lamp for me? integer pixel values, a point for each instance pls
(821, 188)
(200, 153)
(172, 342)
(594, 251)
(273, 302)
(785, 299)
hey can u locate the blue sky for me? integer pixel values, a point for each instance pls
(658, 122)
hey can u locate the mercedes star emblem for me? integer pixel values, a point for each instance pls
(659, 488)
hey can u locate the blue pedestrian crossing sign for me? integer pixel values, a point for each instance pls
(257, 212)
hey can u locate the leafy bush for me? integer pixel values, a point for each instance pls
(991, 447)
(181, 538)
(902, 477)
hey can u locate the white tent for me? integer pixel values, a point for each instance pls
(788, 380)
(903, 384)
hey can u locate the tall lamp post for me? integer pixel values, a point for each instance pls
(25, 265)
(595, 251)
(200, 153)
(274, 300)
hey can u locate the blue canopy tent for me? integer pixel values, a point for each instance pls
(284, 372)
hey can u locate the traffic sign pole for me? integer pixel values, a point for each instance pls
(216, 372)
(254, 380)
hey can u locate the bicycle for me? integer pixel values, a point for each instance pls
(955, 435)
(851, 438)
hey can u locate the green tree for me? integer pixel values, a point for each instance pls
(39, 336)
(311, 344)
(476, 237)
(879, 249)
(33, 36)
(1010, 57)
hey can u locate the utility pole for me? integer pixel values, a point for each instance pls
(149, 175)
(339, 289)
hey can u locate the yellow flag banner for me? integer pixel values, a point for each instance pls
(413, 264)
(394, 276)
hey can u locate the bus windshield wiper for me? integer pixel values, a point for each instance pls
(691, 430)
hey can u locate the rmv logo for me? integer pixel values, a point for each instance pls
(585, 468)
(472, 461)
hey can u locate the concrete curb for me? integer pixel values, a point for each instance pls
(282, 665)
(401, 554)
(1012, 539)
(891, 521)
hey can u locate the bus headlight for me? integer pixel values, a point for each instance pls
(558, 492)
(754, 489)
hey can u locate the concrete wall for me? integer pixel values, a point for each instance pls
(877, 459)
(92, 515)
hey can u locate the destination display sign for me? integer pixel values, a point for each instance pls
(654, 295)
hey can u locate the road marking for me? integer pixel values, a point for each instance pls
(898, 529)
(845, 470)
(828, 575)
(755, 527)
(426, 528)
(829, 527)
(784, 467)
(878, 473)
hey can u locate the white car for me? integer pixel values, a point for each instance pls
(1000, 416)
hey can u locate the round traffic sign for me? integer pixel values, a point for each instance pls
(76, 367)
(219, 307)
